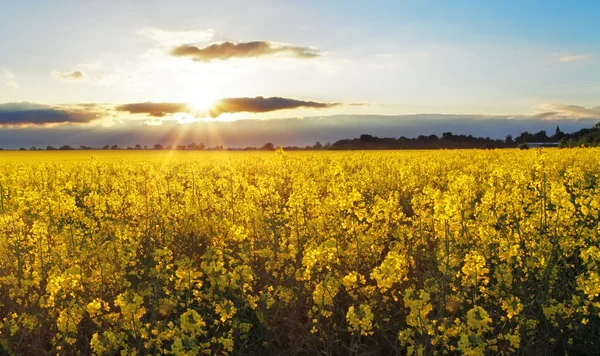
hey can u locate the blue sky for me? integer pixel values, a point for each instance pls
(507, 58)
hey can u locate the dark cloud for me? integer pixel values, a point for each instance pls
(261, 104)
(258, 104)
(29, 114)
(154, 109)
(228, 50)
(76, 75)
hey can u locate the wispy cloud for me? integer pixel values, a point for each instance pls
(72, 76)
(557, 110)
(229, 50)
(568, 57)
(11, 79)
(8, 74)
(171, 38)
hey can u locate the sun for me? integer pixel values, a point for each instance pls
(197, 109)
(203, 103)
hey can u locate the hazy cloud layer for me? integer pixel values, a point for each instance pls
(229, 50)
(154, 109)
(292, 131)
(25, 124)
(567, 57)
(261, 104)
(29, 114)
(75, 75)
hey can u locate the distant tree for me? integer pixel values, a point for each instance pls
(33, 148)
(509, 140)
(327, 145)
(107, 147)
(50, 148)
(366, 138)
(268, 147)
(540, 136)
(22, 149)
(180, 147)
(318, 145)
(65, 148)
(524, 137)
(447, 135)
(114, 147)
(158, 146)
(138, 146)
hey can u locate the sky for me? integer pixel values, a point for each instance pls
(241, 73)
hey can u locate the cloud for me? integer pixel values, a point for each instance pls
(261, 104)
(229, 50)
(154, 109)
(174, 38)
(97, 65)
(75, 75)
(29, 114)
(567, 57)
(556, 110)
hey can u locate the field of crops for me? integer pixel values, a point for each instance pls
(412, 252)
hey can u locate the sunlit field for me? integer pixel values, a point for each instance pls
(406, 252)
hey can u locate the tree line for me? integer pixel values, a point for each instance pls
(447, 140)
